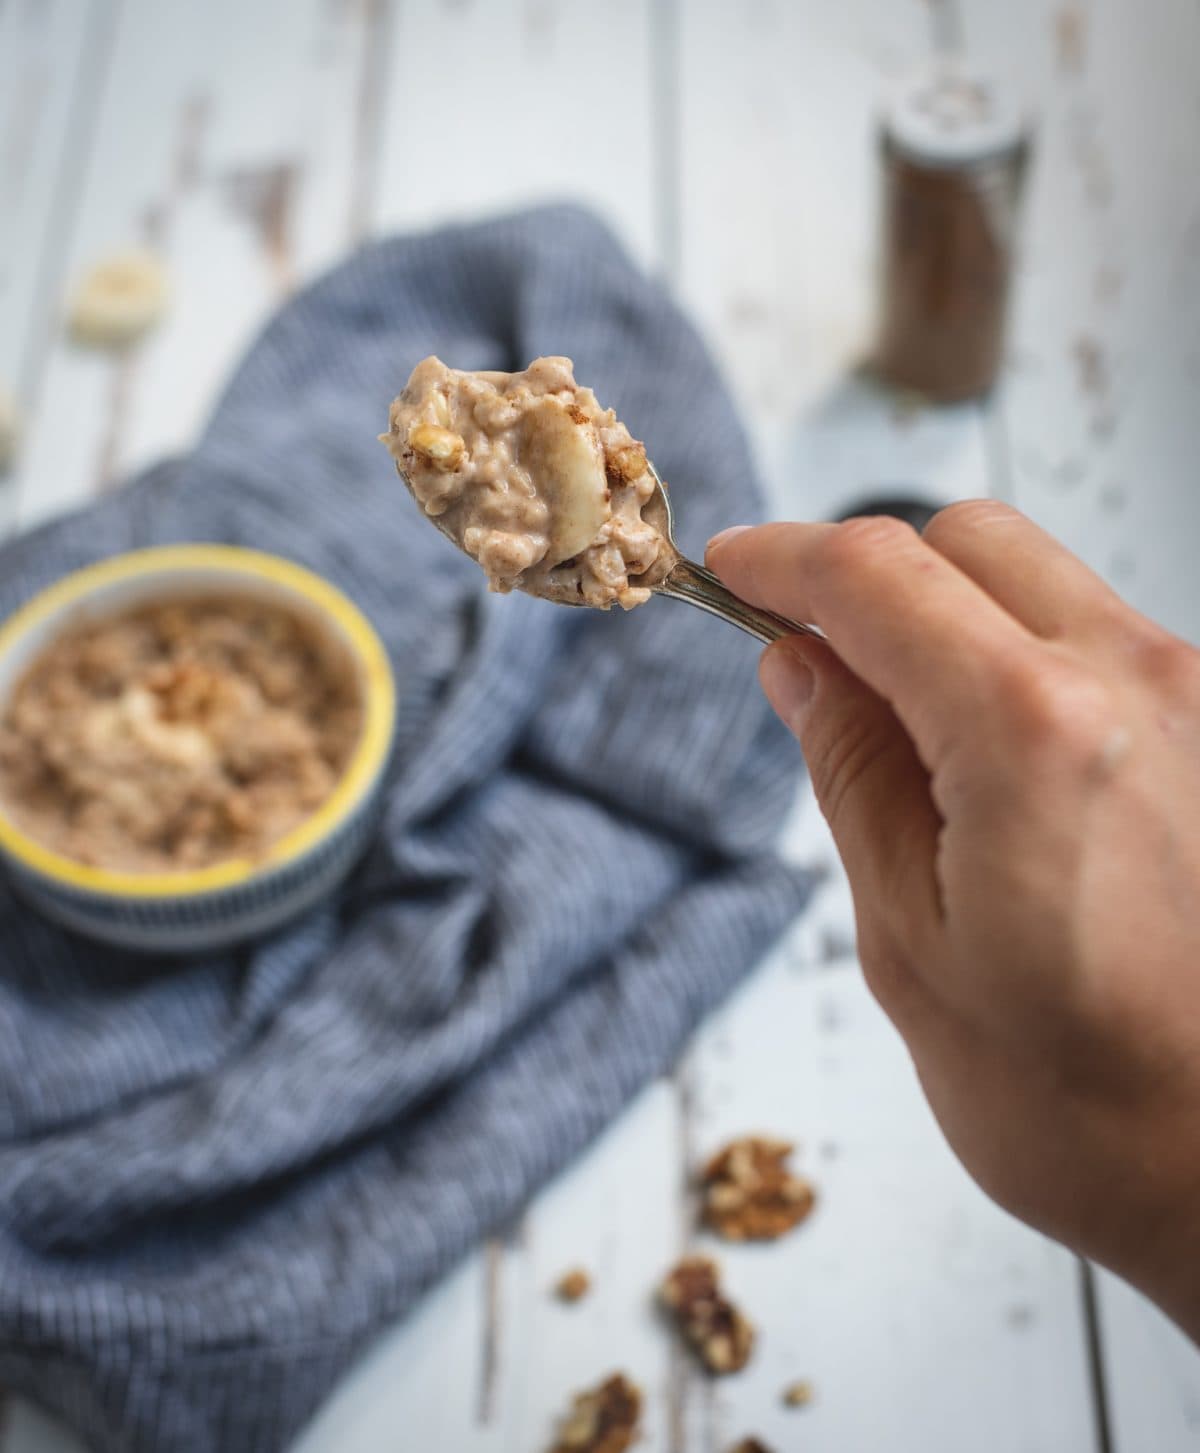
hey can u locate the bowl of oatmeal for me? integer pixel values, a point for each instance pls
(192, 744)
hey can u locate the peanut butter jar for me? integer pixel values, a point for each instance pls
(955, 150)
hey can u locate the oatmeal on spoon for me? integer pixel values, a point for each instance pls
(548, 491)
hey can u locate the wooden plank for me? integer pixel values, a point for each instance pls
(615, 1213)
(243, 186)
(496, 106)
(43, 54)
(1153, 1375)
(778, 196)
(53, 60)
(1099, 414)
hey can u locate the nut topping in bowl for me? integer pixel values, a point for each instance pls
(175, 735)
(526, 472)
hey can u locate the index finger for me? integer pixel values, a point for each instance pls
(912, 625)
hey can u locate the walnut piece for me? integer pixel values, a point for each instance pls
(573, 1285)
(798, 1394)
(750, 1445)
(604, 1420)
(442, 447)
(720, 1334)
(750, 1195)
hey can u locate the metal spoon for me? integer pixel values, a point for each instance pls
(684, 580)
(679, 578)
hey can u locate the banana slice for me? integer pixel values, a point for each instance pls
(564, 457)
(119, 300)
(10, 430)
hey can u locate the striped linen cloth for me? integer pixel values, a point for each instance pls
(220, 1176)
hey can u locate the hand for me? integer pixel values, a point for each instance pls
(1009, 760)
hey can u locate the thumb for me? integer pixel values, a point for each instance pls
(869, 783)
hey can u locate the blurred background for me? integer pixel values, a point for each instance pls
(735, 150)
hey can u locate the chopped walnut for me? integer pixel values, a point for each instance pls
(627, 463)
(720, 1334)
(750, 1195)
(750, 1445)
(798, 1394)
(442, 447)
(604, 1420)
(573, 1285)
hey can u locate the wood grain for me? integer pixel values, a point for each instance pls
(53, 63)
(1153, 1375)
(732, 148)
(780, 184)
(1099, 407)
(498, 106)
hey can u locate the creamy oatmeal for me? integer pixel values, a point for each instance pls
(173, 736)
(533, 479)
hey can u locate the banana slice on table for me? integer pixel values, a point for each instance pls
(10, 430)
(119, 300)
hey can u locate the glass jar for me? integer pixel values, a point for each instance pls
(955, 151)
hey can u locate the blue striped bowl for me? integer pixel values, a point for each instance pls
(235, 899)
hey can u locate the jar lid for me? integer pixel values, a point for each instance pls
(948, 115)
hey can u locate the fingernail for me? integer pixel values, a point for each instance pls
(725, 535)
(788, 682)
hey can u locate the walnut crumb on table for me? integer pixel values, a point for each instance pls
(573, 1285)
(749, 1193)
(750, 1445)
(798, 1394)
(720, 1334)
(602, 1420)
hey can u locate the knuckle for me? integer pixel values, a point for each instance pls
(857, 542)
(965, 517)
(1058, 707)
(1167, 664)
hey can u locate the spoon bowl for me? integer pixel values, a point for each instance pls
(675, 576)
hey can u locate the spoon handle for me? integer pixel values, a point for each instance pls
(700, 587)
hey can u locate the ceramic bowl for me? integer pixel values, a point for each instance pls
(236, 899)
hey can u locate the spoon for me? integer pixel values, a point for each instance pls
(684, 580)
(675, 576)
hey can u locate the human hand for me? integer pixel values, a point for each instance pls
(1009, 760)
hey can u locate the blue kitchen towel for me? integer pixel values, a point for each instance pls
(219, 1176)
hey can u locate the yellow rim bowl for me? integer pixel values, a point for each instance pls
(210, 568)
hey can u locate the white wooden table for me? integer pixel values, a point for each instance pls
(252, 141)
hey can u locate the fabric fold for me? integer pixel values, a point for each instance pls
(219, 1177)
